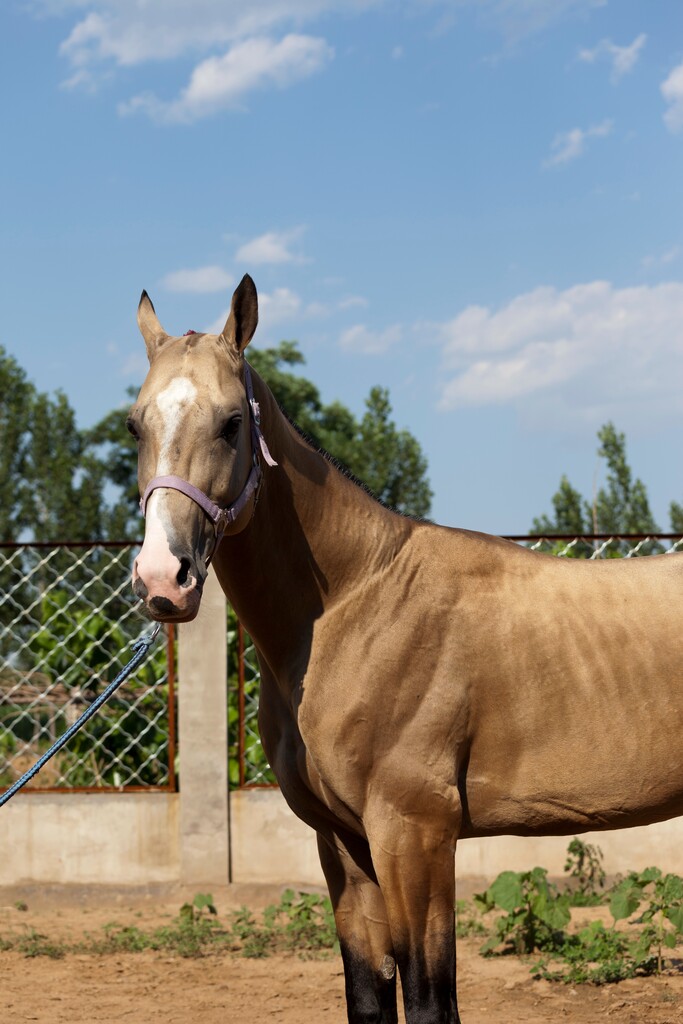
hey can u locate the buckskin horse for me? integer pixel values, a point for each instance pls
(419, 684)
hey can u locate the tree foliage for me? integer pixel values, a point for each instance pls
(117, 454)
(15, 409)
(621, 506)
(51, 485)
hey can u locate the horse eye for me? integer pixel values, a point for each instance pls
(230, 428)
(132, 429)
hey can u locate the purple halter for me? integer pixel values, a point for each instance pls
(222, 517)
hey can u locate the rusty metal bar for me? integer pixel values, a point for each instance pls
(241, 740)
(588, 537)
(171, 679)
(15, 545)
(94, 789)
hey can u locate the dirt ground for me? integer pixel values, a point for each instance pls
(153, 988)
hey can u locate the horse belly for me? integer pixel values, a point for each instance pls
(594, 765)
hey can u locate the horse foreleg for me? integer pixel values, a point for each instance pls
(364, 936)
(415, 865)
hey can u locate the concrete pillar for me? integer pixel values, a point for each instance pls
(203, 742)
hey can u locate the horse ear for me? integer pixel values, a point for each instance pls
(150, 328)
(243, 319)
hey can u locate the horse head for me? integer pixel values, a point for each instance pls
(197, 467)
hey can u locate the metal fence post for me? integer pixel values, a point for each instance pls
(203, 742)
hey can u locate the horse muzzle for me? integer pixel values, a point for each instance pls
(171, 587)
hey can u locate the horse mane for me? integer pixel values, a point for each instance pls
(345, 471)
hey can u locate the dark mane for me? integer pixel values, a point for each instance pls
(345, 471)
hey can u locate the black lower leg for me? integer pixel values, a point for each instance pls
(429, 989)
(370, 989)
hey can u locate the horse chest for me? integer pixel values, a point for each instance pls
(298, 749)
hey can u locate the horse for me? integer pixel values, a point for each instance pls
(419, 684)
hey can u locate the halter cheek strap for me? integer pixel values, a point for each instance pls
(223, 517)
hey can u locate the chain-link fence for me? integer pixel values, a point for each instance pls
(250, 765)
(67, 620)
(604, 545)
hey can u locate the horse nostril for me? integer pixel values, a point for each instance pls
(184, 572)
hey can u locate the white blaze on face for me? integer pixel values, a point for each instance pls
(156, 564)
(172, 403)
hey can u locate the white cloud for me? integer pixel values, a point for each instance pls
(135, 366)
(219, 83)
(352, 302)
(316, 310)
(133, 32)
(672, 91)
(200, 280)
(592, 345)
(663, 259)
(271, 247)
(569, 145)
(623, 58)
(519, 19)
(360, 339)
(280, 305)
(104, 35)
(274, 308)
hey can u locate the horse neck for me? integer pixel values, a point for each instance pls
(314, 537)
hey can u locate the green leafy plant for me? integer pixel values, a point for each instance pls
(598, 954)
(254, 940)
(202, 906)
(467, 920)
(33, 943)
(194, 932)
(584, 867)
(302, 921)
(662, 914)
(535, 912)
(595, 954)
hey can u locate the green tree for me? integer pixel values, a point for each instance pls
(116, 452)
(676, 517)
(51, 486)
(568, 506)
(63, 499)
(390, 461)
(16, 399)
(621, 506)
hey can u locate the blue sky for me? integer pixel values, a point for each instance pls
(476, 203)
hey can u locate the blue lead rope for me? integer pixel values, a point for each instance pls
(141, 647)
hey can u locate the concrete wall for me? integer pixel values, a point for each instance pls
(87, 838)
(137, 838)
(270, 845)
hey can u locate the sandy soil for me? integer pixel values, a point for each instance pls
(146, 988)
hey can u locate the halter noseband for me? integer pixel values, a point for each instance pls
(223, 517)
